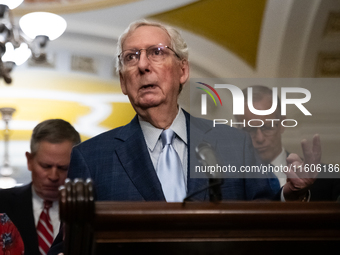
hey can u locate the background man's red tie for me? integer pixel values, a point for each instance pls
(45, 229)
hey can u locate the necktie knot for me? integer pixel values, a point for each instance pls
(47, 204)
(167, 136)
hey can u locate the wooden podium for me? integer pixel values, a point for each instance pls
(195, 228)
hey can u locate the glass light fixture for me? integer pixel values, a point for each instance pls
(9, 53)
(22, 54)
(11, 3)
(7, 182)
(18, 55)
(37, 29)
(43, 24)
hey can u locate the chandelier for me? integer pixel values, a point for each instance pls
(28, 40)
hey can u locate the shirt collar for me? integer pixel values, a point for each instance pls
(38, 202)
(179, 126)
(152, 134)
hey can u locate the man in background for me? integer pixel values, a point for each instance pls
(267, 141)
(33, 208)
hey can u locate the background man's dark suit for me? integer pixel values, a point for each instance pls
(119, 164)
(325, 189)
(17, 204)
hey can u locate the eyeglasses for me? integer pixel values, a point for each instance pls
(155, 53)
(265, 130)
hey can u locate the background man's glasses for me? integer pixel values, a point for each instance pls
(155, 53)
(265, 130)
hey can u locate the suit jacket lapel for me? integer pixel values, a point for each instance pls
(26, 224)
(134, 156)
(193, 131)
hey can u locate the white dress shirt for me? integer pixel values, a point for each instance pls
(154, 143)
(38, 206)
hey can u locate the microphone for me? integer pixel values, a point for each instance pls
(207, 157)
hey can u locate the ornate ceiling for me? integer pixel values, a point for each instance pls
(66, 6)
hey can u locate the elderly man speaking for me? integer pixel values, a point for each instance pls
(148, 158)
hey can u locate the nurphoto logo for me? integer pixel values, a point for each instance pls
(204, 97)
(239, 103)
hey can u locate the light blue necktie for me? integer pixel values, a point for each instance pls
(170, 170)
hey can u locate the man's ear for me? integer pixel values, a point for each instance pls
(29, 158)
(122, 83)
(184, 71)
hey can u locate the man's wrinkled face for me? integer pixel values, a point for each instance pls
(267, 139)
(49, 166)
(150, 84)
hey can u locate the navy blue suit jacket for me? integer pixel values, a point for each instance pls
(119, 164)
